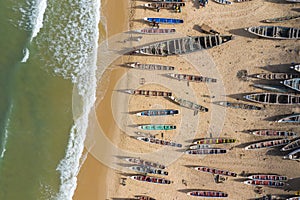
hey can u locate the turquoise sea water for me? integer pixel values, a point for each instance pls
(47, 48)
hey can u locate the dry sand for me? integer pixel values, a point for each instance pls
(244, 53)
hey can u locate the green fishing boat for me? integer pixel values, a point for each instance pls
(153, 127)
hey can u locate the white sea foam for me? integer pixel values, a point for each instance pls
(26, 55)
(6, 131)
(37, 17)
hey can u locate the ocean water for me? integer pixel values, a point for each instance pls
(48, 54)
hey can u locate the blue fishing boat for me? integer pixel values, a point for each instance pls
(157, 112)
(163, 20)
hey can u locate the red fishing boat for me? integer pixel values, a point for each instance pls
(215, 171)
(151, 179)
(207, 194)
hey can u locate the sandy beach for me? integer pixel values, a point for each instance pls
(101, 181)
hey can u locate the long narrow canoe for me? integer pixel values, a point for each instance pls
(267, 132)
(206, 151)
(151, 179)
(272, 88)
(163, 20)
(215, 141)
(207, 194)
(215, 171)
(153, 127)
(281, 19)
(143, 197)
(182, 45)
(291, 146)
(156, 31)
(294, 155)
(144, 66)
(188, 104)
(290, 119)
(161, 112)
(275, 76)
(274, 98)
(225, 2)
(268, 177)
(265, 183)
(165, 5)
(149, 92)
(275, 32)
(148, 170)
(139, 161)
(192, 78)
(159, 141)
(237, 105)
(267, 144)
(292, 83)
(171, 1)
(199, 146)
(293, 1)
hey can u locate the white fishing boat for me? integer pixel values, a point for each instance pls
(292, 83)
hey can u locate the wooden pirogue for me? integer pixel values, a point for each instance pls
(274, 98)
(143, 197)
(188, 104)
(151, 179)
(267, 144)
(139, 161)
(292, 83)
(164, 5)
(267, 132)
(214, 141)
(149, 93)
(265, 183)
(291, 146)
(207, 194)
(156, 31)
(237, 105)
(137, 65)
(192, 78)
(275, 32)
(159, 141)
(281, 19)
(206, 151)
(290, 119)
(267, 177)
(160, 112)
(275, 76)
(294, 155)
(182, 45)
(148, 170)
(215, 171)
(153, 127)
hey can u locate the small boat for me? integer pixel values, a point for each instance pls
(147, 170)
(240, 1)
(267, 144)
(157, 112)
(203, 3)
(188, 104)
(165, 5)
(294, 198)
(294, 155)
(274, 98)
(215, 141)
(270, 197)
(154, 127)
(265, 183)
(275, 32)
(292, 83)
(163, 20)
(223, 2)
(275, 76)
(215, 171)
(156, 31)
(273, 88)
(207, 194)
(192, 78)
(293, 1)
(143, 197)
(237, 105)
(151, 179)
(290, 119)
(199, 146)
(291, 146)
(139, 161)
(137, 65)
(267, 177)
(296, 68)
(149, 93)
(206, 151)
(281, 19)
(182, 45)
(158, 141)
(277, 133)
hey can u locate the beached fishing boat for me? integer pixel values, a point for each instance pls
(272, 88)
(215, 171)
(159, 141)
(267, 177)
(147, 170)
(157, 112)
(293, 83)
(275, 32)
(281, 19)
(265, 183)
(137, 65)
(182, 45)
(274, 98)
(207, 194)
(293, 1)
(267, 144)
(192, 78)
(154, 127)
(164, 5)
(215, 141)
(296, 68)
(171, 1)
(240, 1)
(143, 197)
(294, 155)
(290, 119)
(163, 20)
(188, 104)
(291, 146)
(206, 151)
(277, 133)
(225, 2)
(156, 31)
(148, 93)
(139, 161)
(294, 198)
(237, 105)
(199, 146)
(275, 76)
(151, 179)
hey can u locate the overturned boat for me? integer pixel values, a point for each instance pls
(265, 183)
(290, 119)
(275, 32)
(215, 171)
(188, 104)
(267, 144)
(182, 45)
(294, 155)
(151, 179)
(206, 151)
(215, 141)
(154, 127)
(148, 92)
(207, 194)
(268, 132)
(137, 65)
(156, 31)
(192, 78)
(159, 141)
(237, 105)
(292, 83)
(161, 112)
(267, 177)
(139, 161)
(275, 76)
(147, 170)
(291, 146)
(274, 98)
